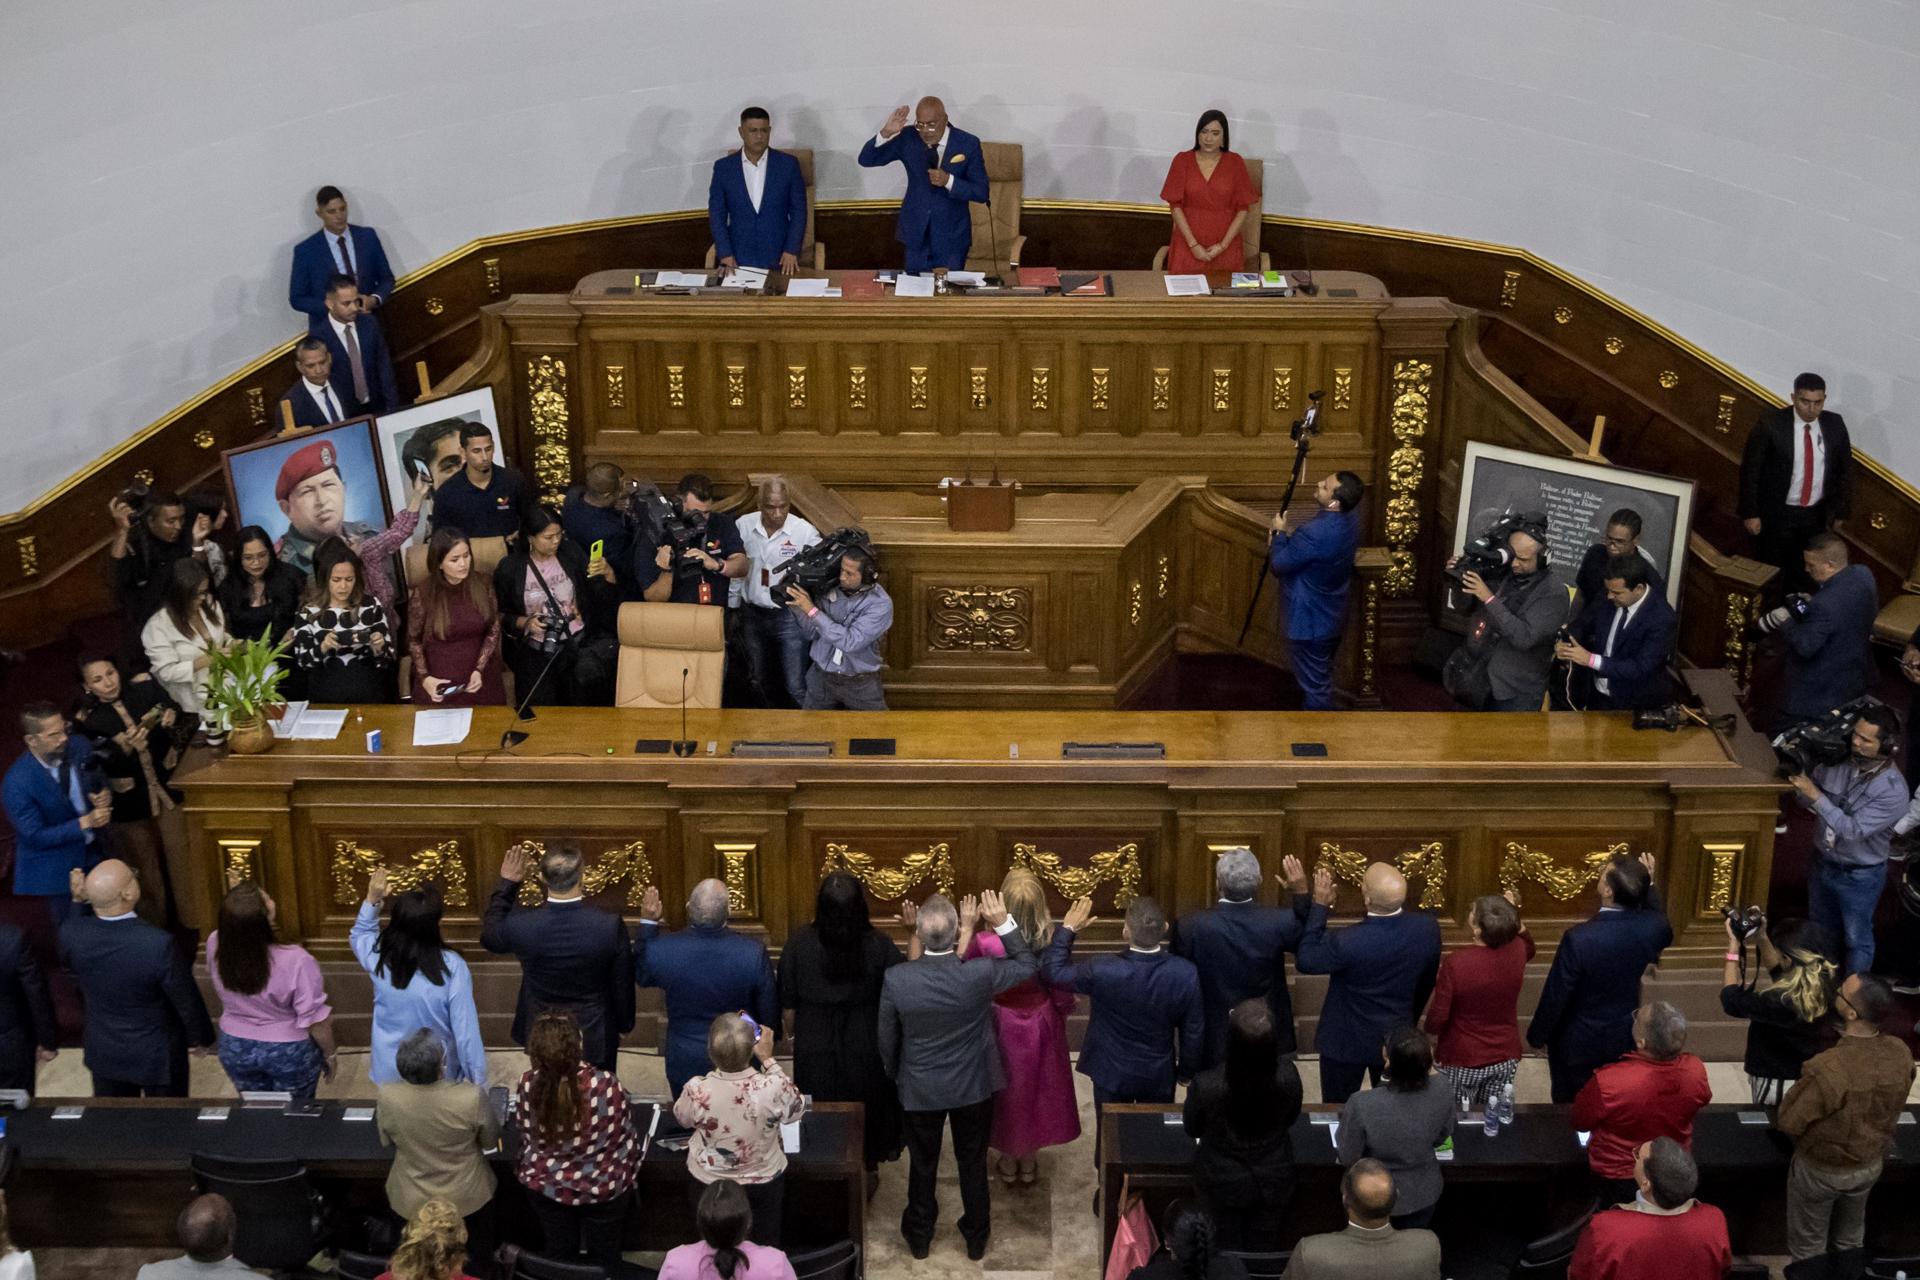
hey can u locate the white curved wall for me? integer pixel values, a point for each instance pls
(1745, 171)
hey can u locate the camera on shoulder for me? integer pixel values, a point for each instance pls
(1489, 555)
(816, 570)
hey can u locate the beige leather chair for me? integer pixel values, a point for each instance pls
(812, 253)
(1007, 184)
(1249, 231)
(658, 642)
(487, 555)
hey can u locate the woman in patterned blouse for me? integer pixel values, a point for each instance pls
(735, 1112)
(578, 1154)
(341, 638)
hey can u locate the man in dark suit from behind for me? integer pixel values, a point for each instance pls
(937, 1042)
(1380, 973)
(361, 362)
(1796, 477)
(1620, 650)
(1240, 948)
(317, 400)
(1828, 635)
(704, 970)
(29, 1035)
(573, 955)
(1585, 1016)
(1370, 1248)
(144, 1013)
(337, 248)
(757, 201)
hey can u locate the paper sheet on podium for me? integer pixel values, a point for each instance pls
(913, 287)
(1187, 287)
(442, 726)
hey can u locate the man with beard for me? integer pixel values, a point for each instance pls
(1858, 802)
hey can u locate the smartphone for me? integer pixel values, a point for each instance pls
(599, 546)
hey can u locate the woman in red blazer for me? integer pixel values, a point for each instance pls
(1474, 1014)
(1209, 191)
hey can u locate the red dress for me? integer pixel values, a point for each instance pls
(1209, 204)
(472, 643)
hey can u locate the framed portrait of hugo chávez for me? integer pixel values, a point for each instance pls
(424, 440)
(309, 486)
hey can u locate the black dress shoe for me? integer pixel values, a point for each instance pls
(919, 1251)
(976, 1249)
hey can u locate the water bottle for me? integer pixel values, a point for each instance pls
(1491, 1125)
(1506, 1105)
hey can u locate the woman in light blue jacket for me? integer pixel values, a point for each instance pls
(418, 981)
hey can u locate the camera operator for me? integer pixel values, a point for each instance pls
(145, 544)
(696, 552)
(848, 628)
(1828, 636)
(775, 647)
(1512, 632)
(1315, 567)
(1858, 801)
(1618, 656)
(1784, 1003)
(591, 513)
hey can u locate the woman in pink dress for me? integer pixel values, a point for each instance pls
(1038, 1107)
(1209, 191)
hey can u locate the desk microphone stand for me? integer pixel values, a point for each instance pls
(514, 737)
(1303, 433)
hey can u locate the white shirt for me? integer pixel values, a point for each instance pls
(1799, 476)
(323, 396)
(1622, 619)
(766, 552)
(340, 332)
(756, 176)
(881, 139)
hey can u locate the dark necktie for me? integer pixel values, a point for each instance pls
(328, 403)
(353, 358)
(346, 257)
(1806, 480)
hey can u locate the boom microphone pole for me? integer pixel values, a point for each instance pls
(1303, 433)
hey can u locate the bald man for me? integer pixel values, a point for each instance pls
(945, 171)
(1379, 973)
(704, 970)
(144, 1013)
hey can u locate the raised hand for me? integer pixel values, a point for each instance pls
(1513, 896)
(377, 886)
(1295, 878)
(513, 867)
(895, 122)
(909, 913)
(1323, 886)
(650, 903)
(1079, 915)
(77, 884)
(1646, 860)
(992, 910)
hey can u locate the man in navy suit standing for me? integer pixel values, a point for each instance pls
(704, 970)
(316, 400)
(1240, 949)
(1828, 635)
(1585, 1016)
(1315, 568)
(1796, 477)
(1620, 651)
(1380, 973)
(945, 171)
(358, 348)
(337, 248)
(144, 1013)
(757, 201)
(573, 955)
(59, 806)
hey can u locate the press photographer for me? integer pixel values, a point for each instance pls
(1503, 664)
(1858, 801)
(557, 608)
(690, 558)
(846, 617)
(1827, 636)
(1784, 997)
(1618, 653)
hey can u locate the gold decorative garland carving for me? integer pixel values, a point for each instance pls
(29, 547)
(1723, 416)
(435, 306)
(1425, 861)
(1412, 404)
(1737, 654)
(1522, 864)
(1669, 379)
(628, 862)
(1162, 576)
(1119, 866)
(676, 386)
(1563, 315)
(203, 439)
(552, 428)
(980, 618)
(1136, 603)
(890, 884)
(1614, 345)
(1369, 635)
(353, 861)
(492, 268)
(977, 386)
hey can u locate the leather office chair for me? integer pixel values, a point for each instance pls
(349, 1265)
(1251, 257)
(835, 1262)
(812, 252)
(282, 1219)
(487, 555)
(660, 641)
(517, 1263)
(1261, 1266)
(1007, 187)
(1547, 1258)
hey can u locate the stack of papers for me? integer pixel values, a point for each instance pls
(302, 723)
(441, 727)
(971, 278)
(745, 278)
(913, 287)
(811, 289)
(1187, 287)
(679, 279)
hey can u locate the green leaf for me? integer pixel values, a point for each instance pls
(243, 682)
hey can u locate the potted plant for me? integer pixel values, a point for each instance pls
(243, 688)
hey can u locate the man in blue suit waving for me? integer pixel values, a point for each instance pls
(757, 201)
(1315, 568)
(935, 224)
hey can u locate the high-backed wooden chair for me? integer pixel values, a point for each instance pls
(812, 252)
(660, 641)
(1250, 253)
(1007, 187)
(487, 555)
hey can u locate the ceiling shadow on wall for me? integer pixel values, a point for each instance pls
(621, 186)
(1331, 183)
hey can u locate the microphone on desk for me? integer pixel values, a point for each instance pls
(684, 745)
(514, 737)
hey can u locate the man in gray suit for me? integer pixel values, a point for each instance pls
(938, 1044)
(1369, 1249)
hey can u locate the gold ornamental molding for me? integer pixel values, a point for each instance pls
(1509, 288)
(1424, 861)
(676, 386)
(1342, 390)
(491, 266)
(1669, 379)
(1369, 636)
(856, 386)
(1118, 866)
(1563, 315)
(1723, 856)
(1723, 416)
(256, 407)
(1162, 390)
(1743, 610)
(1412, 392)
(1102, 388)
(1162, 576)
(552, 426)
(616, 386)
(1042, 389)
(736, 872)
(237, 857)
(627, 863)
(977, 387)
(917, 387)
(980, 618)
(1136, 603)
(736, 386)
(1520, 864)
(29, 547)
(1222, 390)
(1282, 389)
(353, 862)
(889, 884)
(796, 386)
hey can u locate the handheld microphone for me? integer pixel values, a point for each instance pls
(683, 747)
(933, 155)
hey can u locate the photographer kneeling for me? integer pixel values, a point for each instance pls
(556, 607)
(1508, 652)
(1786, 1001)
(848, 627)
(1858, 801)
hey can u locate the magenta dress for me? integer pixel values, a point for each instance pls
(1038, 1108)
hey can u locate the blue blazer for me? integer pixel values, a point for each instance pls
(1585, 1014)
(757, 239)
(1636, 674)
(1240, 950)
(1380, 973)
(143, 1009)
(313, 263)
(1830, 651)
(48, 841)
(704, 971)
(383, 391)
(1315, 566)
(927, 213)
(573, 956)
(1140, 1003)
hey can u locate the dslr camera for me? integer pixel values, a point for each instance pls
(816, 570)
(1489, 555)
(1827, 739)
(1746, 921)
(654, 519)
(553, 632)
(1792, 610)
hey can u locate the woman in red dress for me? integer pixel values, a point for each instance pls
(453, 629)
(1210, 193)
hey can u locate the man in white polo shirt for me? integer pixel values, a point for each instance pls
(775, 646)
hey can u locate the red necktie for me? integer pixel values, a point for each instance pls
(1806, 483)
(346, 258)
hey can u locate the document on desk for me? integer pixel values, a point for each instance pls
(913, 287)
(811, 289)
(302, 723)
(1187, 286)
(680, 280)
(441, 726)
(790, 1136)
(971, 278)
(745, 278)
